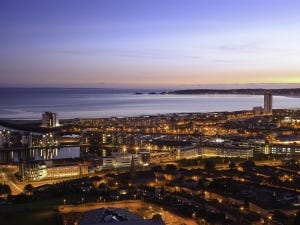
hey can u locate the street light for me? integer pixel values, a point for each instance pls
(124, 149)
(194, 215)
(270, 217)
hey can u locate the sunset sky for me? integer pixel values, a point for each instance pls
(148, 43)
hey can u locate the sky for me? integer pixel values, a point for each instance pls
(149, 43)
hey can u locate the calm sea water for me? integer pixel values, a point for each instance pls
(93, 103)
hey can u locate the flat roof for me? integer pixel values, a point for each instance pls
(116, 215)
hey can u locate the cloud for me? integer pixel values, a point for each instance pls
(152, 54)
(227, 61)
(253, 47)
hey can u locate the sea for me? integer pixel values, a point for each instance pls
(69, 103)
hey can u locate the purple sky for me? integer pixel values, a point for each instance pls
(142, 43)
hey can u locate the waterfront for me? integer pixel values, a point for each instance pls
(95, 103)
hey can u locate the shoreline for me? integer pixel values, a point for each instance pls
(34, 124)
(39, 120)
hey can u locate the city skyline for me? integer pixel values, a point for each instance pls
(149, 44)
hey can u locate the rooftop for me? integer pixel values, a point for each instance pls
(116, 215)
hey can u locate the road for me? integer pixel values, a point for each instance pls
(15, 189)
(7, 177)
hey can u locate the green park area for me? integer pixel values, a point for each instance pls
(36, 213)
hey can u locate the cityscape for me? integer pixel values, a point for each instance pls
(139, 112)
(239, 167)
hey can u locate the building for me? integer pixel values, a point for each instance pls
(115, 216)
(5, 136)
(145, 158)
(32, 171)
(288, 150)
(65, 171)
(125, 160)
(187, 152)
(227, 152)
(1, 139)
(268, 103)
(258, 110)
(50, 119)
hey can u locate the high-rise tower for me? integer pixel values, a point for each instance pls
(50, 119)
(268, 103)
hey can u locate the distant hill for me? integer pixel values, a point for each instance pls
(258, 91)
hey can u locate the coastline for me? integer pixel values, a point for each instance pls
(255, 91)
(34, 125)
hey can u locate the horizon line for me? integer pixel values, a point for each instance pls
(179, 86)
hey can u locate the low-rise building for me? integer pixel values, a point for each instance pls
(188, 152)
(241, 152)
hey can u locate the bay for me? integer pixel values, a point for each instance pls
(25, 103)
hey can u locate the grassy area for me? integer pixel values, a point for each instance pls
(44, 217)
(42, 212)
(36, 213)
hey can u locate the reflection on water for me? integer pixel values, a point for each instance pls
(37, 154)
(47, 154)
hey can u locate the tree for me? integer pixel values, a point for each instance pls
(95, 178)
(28, 189)
(171, 168)
(209, 164)
(4, 189)
(232, 165)
(248, 164)
(157, 168)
